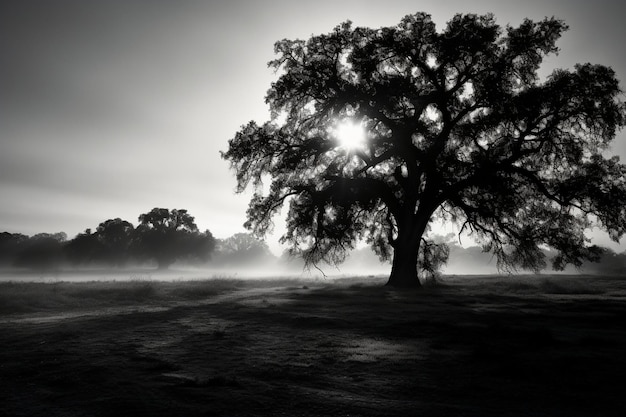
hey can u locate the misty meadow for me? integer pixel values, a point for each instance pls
(484, 346)
(376, 142)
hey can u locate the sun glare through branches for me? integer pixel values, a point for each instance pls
(350, 135)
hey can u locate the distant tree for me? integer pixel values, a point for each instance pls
(243, 248)
(42, 251)
(167, 236)
(10, 246)
(115, 237)
(458, 126)
(84, 248)
(610, 263)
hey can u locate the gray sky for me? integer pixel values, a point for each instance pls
(109, 108)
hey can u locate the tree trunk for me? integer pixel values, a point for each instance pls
(406, 248)
(404, 268)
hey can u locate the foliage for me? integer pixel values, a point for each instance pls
(162, 235)
(167, 236)
(610, 263)
(42, 251)
(115, 237)
(460, 128)
(242, 248)
(10, 245)
(84, 248)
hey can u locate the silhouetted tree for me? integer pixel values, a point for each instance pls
(243, 248)
(459, 128)
(167, 236)
(610, 263)
(10, 246)
(115, 237)
(42, 251)
(84, 248)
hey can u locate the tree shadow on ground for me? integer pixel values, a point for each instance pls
(338, 349)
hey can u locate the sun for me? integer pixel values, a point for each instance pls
(350, 135)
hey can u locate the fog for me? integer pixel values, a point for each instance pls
(265, 265)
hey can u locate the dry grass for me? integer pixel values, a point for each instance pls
(475, 346)
(29, 297)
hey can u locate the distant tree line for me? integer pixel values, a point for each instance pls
(162, 236)
(474, 259)
(242, 250)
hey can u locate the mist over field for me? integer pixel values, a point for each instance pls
(263, 265)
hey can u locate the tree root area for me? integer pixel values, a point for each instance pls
(352, 348)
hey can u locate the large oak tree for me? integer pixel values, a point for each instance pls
(458, 127)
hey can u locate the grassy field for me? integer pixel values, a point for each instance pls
(468, 346)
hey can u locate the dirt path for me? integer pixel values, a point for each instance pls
(239, 295)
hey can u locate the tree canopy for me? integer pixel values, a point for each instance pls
(457, 126)
(84, 248)
(171, 235)
(42, 251)
(116, 238)
(242, 249)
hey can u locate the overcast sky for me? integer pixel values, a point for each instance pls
(109, 108)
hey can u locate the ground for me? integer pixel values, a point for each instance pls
(469, 346)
